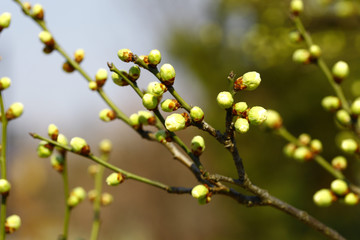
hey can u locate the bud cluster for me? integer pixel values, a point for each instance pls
(307, 149)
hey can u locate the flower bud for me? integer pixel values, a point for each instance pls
(225, 99)
(5, 82)
(93, 86)
(150, 101)
(67, 67)
(199, 191)
(349, 146)
(339, 163)
(105, 146)
(343, 117)
(53, 131)
(37, 12)
(44, 149)
(196, 114)
(134, 73)
(340, 71)
(146, 118)
(239, 108)
(73, 201)
(47, 39)
(273, 120)
(12, 223)
(170, 105)
(249, 81)
(79, 55)
(106, 199)
(316, 146)
(79, 145)
(125, 55)
(289, 149)
(114, 179)
(302, 154)
(296, 7)
(62, 139)
(92, 194)
(167, 74)
(79, 192)
(242, 125)
(351, 199)
(304, 139)
(134, 121)
(15, 110)
(355, 106)
(331, 103)
(315, 51)
(118, 80)
(57, 162)
(4, 187)
(5, 20)
(93, 169)
(175, 122)
(145, 59)
(301, 56)
(154, 57)
(100, 77)
(339, 187)
(162, 136)
(197, 145)
(295, 36)
(323, 198)
(107, 115)
(257, 115)
(157, 89)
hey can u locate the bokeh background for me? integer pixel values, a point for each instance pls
(204, 41)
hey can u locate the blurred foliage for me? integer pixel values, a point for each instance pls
(250, 35)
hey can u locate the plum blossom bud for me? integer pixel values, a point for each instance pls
(5, 82)
(340, 71)
(242, 125)
(225, 99)
(5, 20)
(114, 179)
(296, 7)
(170, 105)
(197, 145)
(323, 198)
(79, 145)
(196, 114)
(167, 74)
(257, 115)
(15, 110)
(175, 122)
(150, 101)
(12, 223)
(339, 187)
(125, 55)
(249, 81)
(4, 187)
(154, 57)
(199, 191)
(107, 115)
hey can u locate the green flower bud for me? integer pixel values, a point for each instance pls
(79, 192)
(250, 81)
(239, 108)
(199, 191)
(196, 114)
(225, 99)
(79, 145)
(145, 59)
(339, 187)
(92, 194)
(162, 136)
(343, 117)
(93, 86)
(197, 145)
(296, 7)
(349, 146)
(44, 149)
(62, 139)
(157, 89)
(315, 51)
(5, 82)
(302, 154)
(150, 101)
(73, 201)
(289, 149)
(4, 187)
(100, 77)
(79, 55)
(339, 163)
(114, 179)
(106, 199)
(295, 36)
(134, 73)
(47, 38)
(107, 115)
(257, 115)
(340, 71)
(175, 122)
(134, 121)
(273, 120)
(154, 57)
(125, 55)
(93, 169)
(242, 125)
(351, 199)
(57, 162)
(204, 200)
(5, 20)
(304, 138)
(37, 12)
(167, 74)
(15, 110)
(118, 80)
(301, 56)
(12, 223)
(105, 146)
(355, 106)
(316, 146)
(170, 105)
(146, 118)
(331, 103)
(53, 131)
(323, 198)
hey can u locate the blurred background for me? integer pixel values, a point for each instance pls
(204, 41)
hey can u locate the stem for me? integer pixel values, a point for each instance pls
(3, 167)
(65, 178)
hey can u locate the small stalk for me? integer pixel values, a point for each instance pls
(3, 167)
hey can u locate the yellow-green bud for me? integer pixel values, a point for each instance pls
(134, 120)
(339, 187)
(105, 146)
(4, 187)
(53, 131)
(343, 117)
(46, 38)
(57, 162)
(239, 108)
(79, 192)
(93, 86)
(339, 162)
(5, 82)
(170, 105)
(44, 149)
(37, 12)
(351, 199)
(12, 223)
(273, 120)
(225, 99)
(301, 56)
(242, 125)
(92, 194)
(154, 57)
(118, 80)
(106, 199)
(323, 198)
(340, 71)
(355, 106)
(125, 55)
(315, 51)
(349, 146)
(331, 103)
(79, 145)
(150, 101)
(73, 201)
(157, 89)
(251, 80)
(167, 74)
(302, 154)
(107, 115)
(161, 136)
(197, 145)
(199, 191)
(134, 73)
(5, 20)
(296, 7)
(289, 149)
(146, 118)
(316, 146)
(295, 36)
(175, 122)
(100, 77)
(257, 115)
(196, 114)
(304, 138)
(114, 179)
(15, 110)
(62, 139)
(79, 55)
